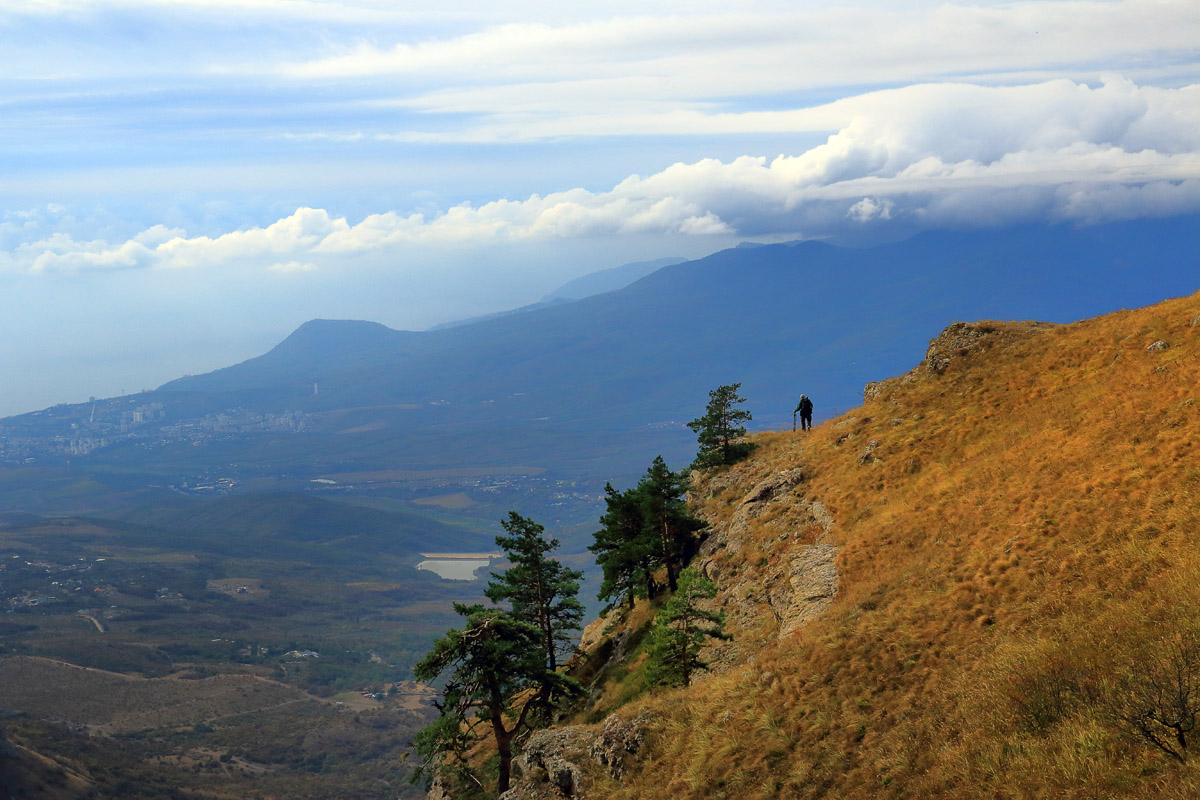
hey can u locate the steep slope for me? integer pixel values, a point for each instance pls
(952, 591)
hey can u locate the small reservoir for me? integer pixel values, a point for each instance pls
(456, 566)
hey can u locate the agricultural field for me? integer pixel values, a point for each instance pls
(267, 661)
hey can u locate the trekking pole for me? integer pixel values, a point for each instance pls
(793, 422)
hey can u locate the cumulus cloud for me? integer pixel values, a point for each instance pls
(868, 209)
(925, 155)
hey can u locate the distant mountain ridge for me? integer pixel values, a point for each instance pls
(609, 280)
(605, 280)
(590, 386)
(779, 318)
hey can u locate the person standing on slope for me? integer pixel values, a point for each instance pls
(805, 407)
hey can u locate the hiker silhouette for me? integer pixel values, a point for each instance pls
(805, 407)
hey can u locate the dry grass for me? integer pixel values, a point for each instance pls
(1027, 535)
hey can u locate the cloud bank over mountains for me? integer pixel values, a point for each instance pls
(185, 181)
(925, 155)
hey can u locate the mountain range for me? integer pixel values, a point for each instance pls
(780, 319)
(592, 389)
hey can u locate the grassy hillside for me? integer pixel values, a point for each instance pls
(1014, 527)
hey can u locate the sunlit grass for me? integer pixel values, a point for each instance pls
(1029, 530)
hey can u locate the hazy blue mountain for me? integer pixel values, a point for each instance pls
(605, 280)
(496, 315)
(598, 386)
(780, 318)
(609, 280)
(316, 348)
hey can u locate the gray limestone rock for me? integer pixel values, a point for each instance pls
(776, 484)
(561, 763)
(618, 741)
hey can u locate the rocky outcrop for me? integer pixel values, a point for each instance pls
(867, 456)
(958, 340)
(773, 486)
(813, 577)
(438, 791)
(574, 761)
(799, 580)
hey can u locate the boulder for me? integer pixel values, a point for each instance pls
(561, 763)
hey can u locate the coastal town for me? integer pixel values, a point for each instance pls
(65, 431)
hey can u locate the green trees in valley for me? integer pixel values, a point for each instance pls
(681, 629)
(503, 665)
(662, 497)
(645, 529)
(623, 550)
(497, 681)
(540, 590)
(720, 430)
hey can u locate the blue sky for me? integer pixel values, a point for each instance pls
(181, 184)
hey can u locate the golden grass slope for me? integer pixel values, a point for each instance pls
(1021, 537)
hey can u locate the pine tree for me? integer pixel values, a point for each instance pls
(681, 629)
(497, 680)
(625, 549)
(661, 496)
(719, 430)
(540, 590)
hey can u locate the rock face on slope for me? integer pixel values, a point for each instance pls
(958, 340)
(794, 586)
(575, 761)
(802, 581)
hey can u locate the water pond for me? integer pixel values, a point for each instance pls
(454, 569)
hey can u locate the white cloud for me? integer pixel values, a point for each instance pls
(924, 155)
(675, 74)
(868, 209)
(293, 266)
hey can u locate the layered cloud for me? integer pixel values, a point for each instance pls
(722, 72)
(922, 155)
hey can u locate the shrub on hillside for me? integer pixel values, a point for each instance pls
(1157, 702)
